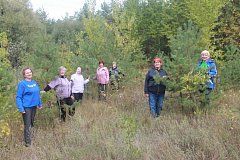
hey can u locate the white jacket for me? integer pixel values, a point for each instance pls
(78, 83)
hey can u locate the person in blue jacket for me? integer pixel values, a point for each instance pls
(154, 87)
(28, 100)
(208, 65)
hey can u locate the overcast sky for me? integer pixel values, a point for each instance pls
(57, 9)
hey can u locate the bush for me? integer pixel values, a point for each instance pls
(230, 74)
(184, 79)
(6, 89)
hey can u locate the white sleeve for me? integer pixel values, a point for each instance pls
(86, 81)
(72, 77)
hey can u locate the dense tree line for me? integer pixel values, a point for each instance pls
(131, 33)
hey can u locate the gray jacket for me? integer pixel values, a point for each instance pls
(62, 86)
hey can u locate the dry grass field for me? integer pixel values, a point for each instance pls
(121, 128)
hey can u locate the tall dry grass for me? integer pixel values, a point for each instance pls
(121, 128)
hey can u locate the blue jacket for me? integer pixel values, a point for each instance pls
(28, 95)
(150, 85)
(211, 71)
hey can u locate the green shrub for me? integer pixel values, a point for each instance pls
(230, 73)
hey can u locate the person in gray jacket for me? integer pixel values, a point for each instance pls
(62, 86)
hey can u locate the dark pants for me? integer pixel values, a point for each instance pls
(28, 120)
(114, 84)
(207, 93)
(78, 96)
(102, 89)
(63, 110)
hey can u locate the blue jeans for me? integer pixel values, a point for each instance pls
(156, 103)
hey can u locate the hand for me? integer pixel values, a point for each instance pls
(42, 91)
(39, 107)
(146, 95)
(73, 97)
(23, 112)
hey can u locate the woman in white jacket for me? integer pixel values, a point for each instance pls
(78, 83)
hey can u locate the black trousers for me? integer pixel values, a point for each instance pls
(102, 91)
(78, 96)
(28, 120)
(63, 110)
(206, 100)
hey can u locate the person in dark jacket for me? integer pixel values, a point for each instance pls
(63, 88)
(115, 76)
(28, 100)
(208, 66)
(154, 87)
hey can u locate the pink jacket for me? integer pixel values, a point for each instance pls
(102, 75)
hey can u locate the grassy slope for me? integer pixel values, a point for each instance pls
(122, 129)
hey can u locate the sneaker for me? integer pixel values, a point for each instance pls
(27, 144)
(63, 119)
(71, 114)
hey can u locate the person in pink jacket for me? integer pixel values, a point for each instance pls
(102, 76)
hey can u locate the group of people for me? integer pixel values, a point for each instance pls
(155, 90)
(70, 92)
